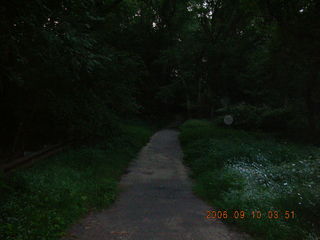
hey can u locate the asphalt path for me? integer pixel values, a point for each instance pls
(156, 202)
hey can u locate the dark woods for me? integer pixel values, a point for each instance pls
(72, 69)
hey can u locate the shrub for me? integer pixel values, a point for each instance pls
(266, 118)
(276, 119)
(244, 115)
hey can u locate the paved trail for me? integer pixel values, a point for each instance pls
(156, 202)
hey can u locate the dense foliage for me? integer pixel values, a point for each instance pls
(240, 171)
(63, 75)
(69, 68)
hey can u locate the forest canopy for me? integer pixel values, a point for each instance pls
(72, 69)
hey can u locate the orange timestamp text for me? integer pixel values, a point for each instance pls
(255, 214)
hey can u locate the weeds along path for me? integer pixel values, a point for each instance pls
(156, 202)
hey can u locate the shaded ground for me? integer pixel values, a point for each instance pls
(156, 202)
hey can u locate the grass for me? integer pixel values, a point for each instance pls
(41, 202)
(236, 170)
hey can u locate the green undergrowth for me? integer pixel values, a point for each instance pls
(41, 202)
(236, 170)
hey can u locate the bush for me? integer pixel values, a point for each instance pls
(244, 115)
(265, 118)
(276, 119)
